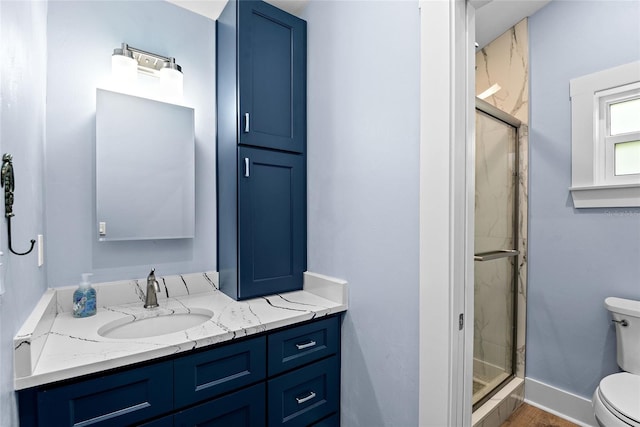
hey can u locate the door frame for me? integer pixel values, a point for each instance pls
(447, 197)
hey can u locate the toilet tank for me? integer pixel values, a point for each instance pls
(626, 311)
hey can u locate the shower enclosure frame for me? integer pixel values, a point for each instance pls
(489, 110)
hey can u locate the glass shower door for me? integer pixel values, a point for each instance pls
(496, 255)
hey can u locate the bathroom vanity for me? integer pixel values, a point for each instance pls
(270, 361)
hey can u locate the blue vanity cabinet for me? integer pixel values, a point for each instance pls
(286, 377)
(261, 145)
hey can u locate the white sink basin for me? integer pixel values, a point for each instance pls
(154, 325)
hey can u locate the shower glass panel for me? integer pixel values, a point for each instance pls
(496, 255)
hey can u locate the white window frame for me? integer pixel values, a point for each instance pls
(605, 154)
(593, 183)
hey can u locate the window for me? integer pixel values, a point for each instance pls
(605, 134)
(618, 134)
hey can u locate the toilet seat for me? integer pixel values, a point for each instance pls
(619, 394)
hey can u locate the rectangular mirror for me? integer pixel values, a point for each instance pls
(145, 181)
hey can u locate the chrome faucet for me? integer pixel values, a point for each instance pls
(153, 287)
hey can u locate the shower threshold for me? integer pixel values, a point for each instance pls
(484, 390)
(500, 405)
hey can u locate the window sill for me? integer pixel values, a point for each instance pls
(606, 196)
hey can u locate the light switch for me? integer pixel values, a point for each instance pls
(40, 250)
(102, 228)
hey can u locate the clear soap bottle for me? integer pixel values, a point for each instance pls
(84, 298)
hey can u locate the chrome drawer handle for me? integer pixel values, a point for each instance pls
(306, 345)
(307, 398)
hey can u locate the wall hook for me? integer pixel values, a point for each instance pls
(8, 182)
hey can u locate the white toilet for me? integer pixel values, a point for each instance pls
(616, 401)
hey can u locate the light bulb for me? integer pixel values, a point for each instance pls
(172, 80)
(124, 68)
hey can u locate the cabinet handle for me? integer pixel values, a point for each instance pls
(246, 122)
(246, 167)
(307, 398)
(305, 345)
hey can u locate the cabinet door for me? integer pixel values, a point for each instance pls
(271, 222)
(244, 408)
(272, 77)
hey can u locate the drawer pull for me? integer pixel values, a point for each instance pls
(306, 345)
(307, 398)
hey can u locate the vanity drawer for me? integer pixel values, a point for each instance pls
(113, 400)
(304, 396)
(295, 347)
(208, 374)
(244, 408)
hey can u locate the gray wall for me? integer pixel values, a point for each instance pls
(363, 163)
(23, 49)
(81, 37)
(577, 257)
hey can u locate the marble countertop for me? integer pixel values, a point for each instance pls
(52, 345)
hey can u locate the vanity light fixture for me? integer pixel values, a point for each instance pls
(127, 62)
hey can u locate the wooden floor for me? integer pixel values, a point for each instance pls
(530, 416)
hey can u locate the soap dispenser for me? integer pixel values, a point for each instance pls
(84, 298)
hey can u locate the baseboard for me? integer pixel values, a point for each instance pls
(566, 405)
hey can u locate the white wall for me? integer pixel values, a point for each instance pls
(23, 49)
(363, 200)
(54, 54)
(577, 257)
(81, 37)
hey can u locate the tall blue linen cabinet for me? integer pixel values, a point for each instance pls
(261, 149)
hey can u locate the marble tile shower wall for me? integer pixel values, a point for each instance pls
(523, 218)
(505, 62)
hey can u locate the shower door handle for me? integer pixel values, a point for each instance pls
(491, 255)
